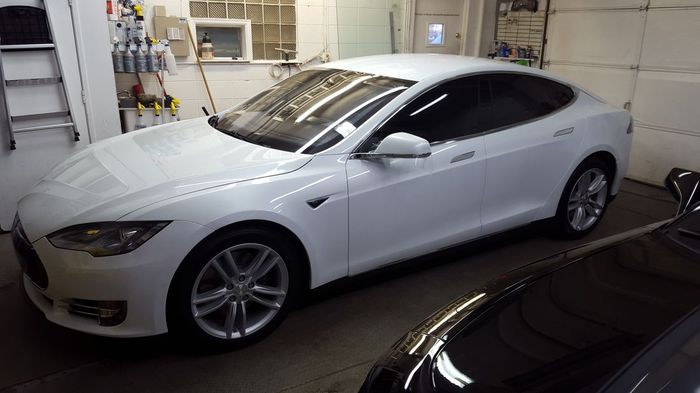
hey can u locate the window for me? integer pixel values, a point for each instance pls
(453, 110)
(519, 97)
(230, 37)
(273, 22)
(23, 25)
(436, 34)
(312, 110)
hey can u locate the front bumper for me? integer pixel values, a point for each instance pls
(140, 278)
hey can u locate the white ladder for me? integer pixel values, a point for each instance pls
(11, 118)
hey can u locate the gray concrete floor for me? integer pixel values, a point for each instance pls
(327, 345)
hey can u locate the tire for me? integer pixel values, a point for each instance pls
(214, 307)
(594, 204)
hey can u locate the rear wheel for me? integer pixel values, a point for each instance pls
(233, 290)
(584, 200)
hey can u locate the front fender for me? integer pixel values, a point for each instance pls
(282, 200)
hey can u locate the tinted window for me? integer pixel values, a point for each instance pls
(311, 111)
(572, 330)
(455, 109)
(518, 97)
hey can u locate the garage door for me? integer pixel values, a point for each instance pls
(643, 55)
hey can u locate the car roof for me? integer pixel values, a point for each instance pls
(417, 67)
(422, 66)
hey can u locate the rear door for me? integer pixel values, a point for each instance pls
(531, 148)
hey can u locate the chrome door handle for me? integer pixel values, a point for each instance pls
(565, 131)
(462, 157)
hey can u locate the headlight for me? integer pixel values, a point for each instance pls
(106, 238)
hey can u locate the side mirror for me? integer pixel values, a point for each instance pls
(399, 145)
(685, 188)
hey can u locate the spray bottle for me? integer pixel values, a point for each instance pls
(156, 113)
(140, 121)
(139, 22)
(170, 63)
(152, 57)
(207, 48)
(174, 112)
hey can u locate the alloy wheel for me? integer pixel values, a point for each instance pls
(239, 291)
(587, 199)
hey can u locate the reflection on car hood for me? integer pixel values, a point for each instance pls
(618, 265)
(117, 176)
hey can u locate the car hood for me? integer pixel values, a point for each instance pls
(112, 178)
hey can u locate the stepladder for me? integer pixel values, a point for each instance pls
(33, 88)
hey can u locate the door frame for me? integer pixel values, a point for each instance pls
(409, 28)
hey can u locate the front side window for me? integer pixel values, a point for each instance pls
(518, 97)
(455, 109)
(311, 111)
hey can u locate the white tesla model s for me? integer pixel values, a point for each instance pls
(211, 228)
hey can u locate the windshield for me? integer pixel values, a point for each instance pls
(310, 111)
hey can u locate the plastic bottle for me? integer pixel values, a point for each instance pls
(207, 48)
(156, 113)
(152, 59)
(129, 61)
(117, 59)
(140, 58)
(174, 110)
(140, 121)
(170, 63)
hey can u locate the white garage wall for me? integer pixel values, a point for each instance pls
(38, 152)
(643, 54)
(232, 83)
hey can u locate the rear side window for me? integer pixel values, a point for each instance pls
(518, 98)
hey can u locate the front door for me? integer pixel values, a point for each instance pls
(438, 26)
(401, 208)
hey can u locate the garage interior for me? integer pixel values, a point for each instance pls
(640, 55)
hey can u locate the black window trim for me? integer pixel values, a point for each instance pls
(575, 90)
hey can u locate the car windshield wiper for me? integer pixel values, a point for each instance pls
(242, 137)
(213, 121)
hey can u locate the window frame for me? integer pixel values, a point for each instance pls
(576, 91)
(246, 40)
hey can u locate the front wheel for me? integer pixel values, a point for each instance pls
(584, 200)
(233, 290)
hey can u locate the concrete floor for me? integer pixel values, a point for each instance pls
(327, 345)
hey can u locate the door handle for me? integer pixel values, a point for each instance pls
(565, 131)
(462, 157)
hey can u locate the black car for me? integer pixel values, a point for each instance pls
(617, 315)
